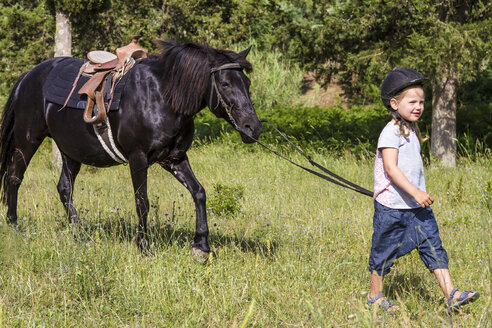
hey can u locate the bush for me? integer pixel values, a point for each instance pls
(275, 82)
(337, 129)
(225, 199)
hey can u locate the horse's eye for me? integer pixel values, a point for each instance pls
(225, 84)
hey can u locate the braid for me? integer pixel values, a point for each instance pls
(406, 127)
(417, 131)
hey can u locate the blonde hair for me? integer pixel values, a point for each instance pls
(405, 126)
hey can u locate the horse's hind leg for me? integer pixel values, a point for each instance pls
(15, 174)
(65, 186)
(22, 129)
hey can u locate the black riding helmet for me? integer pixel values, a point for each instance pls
(397, 80)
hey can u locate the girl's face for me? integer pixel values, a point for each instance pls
(411, 105)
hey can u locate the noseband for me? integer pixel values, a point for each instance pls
(227, 107)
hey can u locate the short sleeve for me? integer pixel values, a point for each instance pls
(390, 136)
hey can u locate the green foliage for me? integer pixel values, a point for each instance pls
(74, 8)
(202, 20)
(360, 41)
(355, 129)
(226, 199)
(357, 41)
(222, 23)
(337, 129)
(111, 24)
(275, 80)
(471, 148)
(488, 195)
(474, 117)
(26, 39)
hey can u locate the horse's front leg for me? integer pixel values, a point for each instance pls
(182, 171)
(138, 170)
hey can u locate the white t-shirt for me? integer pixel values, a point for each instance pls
(409, 162)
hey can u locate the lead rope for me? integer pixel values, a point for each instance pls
(342, 182)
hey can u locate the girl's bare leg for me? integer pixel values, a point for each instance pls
(377, 288)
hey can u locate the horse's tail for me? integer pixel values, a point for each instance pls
(7, 146)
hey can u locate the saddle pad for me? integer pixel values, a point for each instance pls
(60, 82)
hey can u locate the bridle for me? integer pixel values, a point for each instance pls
(336, 179)
(220, 99)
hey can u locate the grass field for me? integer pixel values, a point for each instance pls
(295, 256)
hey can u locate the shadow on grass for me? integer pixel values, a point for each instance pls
(167, 233)
(403, 283)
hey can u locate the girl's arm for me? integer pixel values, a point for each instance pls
(390, 159)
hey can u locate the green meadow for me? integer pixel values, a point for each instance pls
(293, 255)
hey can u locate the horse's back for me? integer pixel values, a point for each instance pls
(29, 91)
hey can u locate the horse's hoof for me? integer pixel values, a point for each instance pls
(74, 219)
(144, 247)
(77, 231)
(199, 255)
(12, 222)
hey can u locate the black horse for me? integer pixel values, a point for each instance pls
(154, 124)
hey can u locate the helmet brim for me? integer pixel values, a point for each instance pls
(420, 81)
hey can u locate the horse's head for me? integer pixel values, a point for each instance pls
(229, 97)
(196, 75)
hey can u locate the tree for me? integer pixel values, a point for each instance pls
(221, 23)
(361, 41)
(63, 47)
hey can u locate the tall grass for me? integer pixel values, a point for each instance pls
(275, 81)
(294, 256)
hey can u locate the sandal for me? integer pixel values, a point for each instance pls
(465, 297)
(385, 304)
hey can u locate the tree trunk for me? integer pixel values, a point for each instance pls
(63, 47)
(443, 142)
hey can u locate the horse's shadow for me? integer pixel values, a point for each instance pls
(165, 234)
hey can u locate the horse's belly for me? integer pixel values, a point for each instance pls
(75, 138)
(89, 156)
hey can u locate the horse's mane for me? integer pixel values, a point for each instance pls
(186, 72)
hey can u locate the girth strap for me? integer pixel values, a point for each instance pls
(105, 137)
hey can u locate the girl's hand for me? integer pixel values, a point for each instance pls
(423, 198)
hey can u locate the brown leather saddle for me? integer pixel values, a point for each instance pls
(102, 64)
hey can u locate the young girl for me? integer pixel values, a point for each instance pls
(403, 219)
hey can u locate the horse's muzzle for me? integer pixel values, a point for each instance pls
(250, 132)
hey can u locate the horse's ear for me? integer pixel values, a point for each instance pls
(244, 53)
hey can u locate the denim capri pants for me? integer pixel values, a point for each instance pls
(399, 231)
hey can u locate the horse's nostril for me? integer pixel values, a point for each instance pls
(247, 126)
